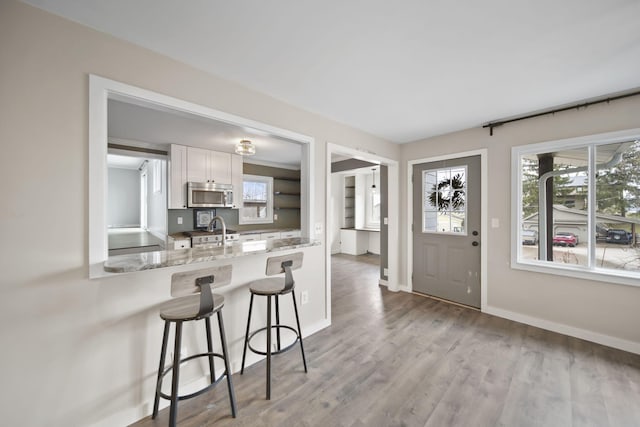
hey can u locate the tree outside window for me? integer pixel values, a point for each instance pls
(588, 215)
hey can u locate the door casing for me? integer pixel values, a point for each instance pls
(483, 153)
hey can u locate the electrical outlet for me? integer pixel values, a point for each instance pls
(179, 220)
(304, 297)
(318, 228)
(275, 216)
(385, 271)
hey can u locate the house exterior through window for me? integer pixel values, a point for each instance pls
(580, 198)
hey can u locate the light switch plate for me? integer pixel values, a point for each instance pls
(386, 221)
(495, 223)
(318, 228)
(179, 220)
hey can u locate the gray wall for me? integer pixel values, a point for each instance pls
(123, 205)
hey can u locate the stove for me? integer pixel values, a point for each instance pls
(202, 238)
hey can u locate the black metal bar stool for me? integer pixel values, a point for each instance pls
(274, 287)
(199, 303)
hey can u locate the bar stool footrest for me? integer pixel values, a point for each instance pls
(195, 393)
(282, 350)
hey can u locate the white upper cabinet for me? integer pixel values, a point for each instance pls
(177, 177)
(208, 166)
(220, 167)
(198, 165)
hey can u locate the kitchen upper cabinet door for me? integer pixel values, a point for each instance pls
(236, 180)
(178, 177)
(220, 167)
(198, 165)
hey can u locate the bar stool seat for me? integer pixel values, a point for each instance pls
(269, 286)
(189, 307)
(275, 287)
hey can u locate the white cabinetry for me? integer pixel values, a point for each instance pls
(208, 166)
(290, 234)
(353, 242)
(178, 243)
(178, 177)
(236, 180)
(182, 244)
(220, 167)
(250, 237)
(269, 236)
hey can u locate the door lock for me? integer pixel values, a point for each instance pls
(475, 243)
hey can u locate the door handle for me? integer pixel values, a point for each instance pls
(475, 243)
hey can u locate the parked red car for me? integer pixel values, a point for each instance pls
(563, 238)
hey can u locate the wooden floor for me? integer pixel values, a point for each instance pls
(396, 359)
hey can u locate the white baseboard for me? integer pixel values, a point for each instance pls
(609, 341)
(316, 327)
(383, 282)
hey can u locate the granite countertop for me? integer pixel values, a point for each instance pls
(267, 230)
(188, 234)
(160, 259)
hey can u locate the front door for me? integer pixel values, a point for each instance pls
(446, 229)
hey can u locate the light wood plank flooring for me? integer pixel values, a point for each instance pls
(395, 359)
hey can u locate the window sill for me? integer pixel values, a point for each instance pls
(598, 275)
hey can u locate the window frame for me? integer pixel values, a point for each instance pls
(463, 233)
(242, 220)
(371, 221)
(591, 271)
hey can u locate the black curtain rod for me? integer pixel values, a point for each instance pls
(497, 123)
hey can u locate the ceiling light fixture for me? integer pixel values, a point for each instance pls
(245, 148)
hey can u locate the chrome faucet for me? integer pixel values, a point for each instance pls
(224, 227)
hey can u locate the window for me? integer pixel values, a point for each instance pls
(443, 200)
(257, 199)
(372, 201)
(580, 198)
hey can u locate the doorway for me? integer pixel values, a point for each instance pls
(446, 229)
(385, 177)
(136, 201)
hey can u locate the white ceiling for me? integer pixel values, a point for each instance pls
(159, 127)
(402, 70)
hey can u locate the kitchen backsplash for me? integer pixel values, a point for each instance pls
(286, 218)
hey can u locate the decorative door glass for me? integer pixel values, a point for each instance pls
(444, 193)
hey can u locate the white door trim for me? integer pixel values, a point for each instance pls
(483, 216)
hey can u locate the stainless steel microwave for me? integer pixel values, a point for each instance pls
(209, 195)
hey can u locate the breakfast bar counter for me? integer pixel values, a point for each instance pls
(161, 259)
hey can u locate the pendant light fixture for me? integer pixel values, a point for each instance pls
(245, 148)
(374, 178)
